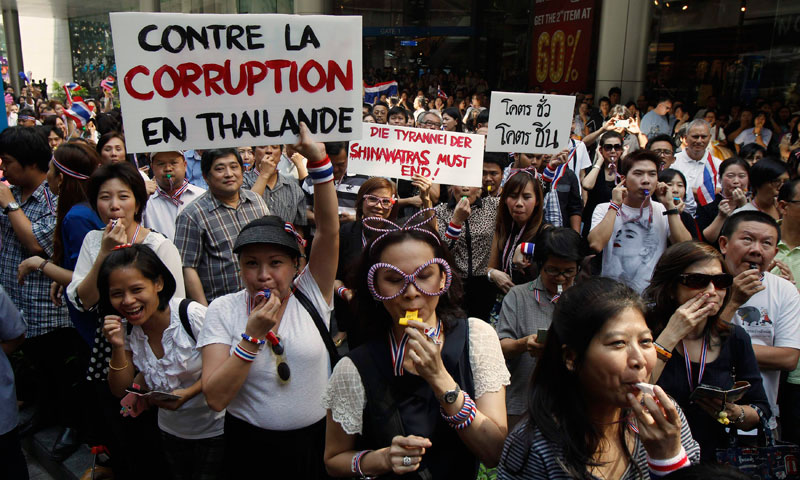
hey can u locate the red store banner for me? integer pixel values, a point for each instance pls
(562, 35)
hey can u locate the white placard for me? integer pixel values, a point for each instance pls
(389, 151)
(207, 81)
(529, 122)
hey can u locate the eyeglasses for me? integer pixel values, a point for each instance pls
(373, 200)
(393, 281)
(280, 360)
(554, 272)
(732, 176)
(663, 153)
(611, 147)
(701, 280)
(778, 182)
(431, 124)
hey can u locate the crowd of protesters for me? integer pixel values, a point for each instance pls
(213, 313)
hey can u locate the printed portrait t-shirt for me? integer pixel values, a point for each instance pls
(636, 244)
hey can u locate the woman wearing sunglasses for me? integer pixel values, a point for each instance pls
(601, 178)
(689, 288)
(136, 288)
(425, 395)
(266, 349)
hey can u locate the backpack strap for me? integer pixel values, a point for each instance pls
(183, 312)
(323, 330)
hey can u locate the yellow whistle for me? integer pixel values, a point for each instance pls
(488, 188)
(410, 315)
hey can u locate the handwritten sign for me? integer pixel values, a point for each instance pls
(399, 152)
(529, 122)
(201, 81)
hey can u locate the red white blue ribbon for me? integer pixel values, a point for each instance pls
(51, 204)
(290, 229)
(688, 362)
(398, 353)
(175, 198)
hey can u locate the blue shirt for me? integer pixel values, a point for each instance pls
(654, 124)
(11, 327)
(193, 171)
(79, 220)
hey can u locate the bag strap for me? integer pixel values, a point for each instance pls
(323, 330)
(183, 312)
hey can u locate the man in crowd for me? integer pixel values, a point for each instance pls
(765, 305)
(663, 146)
(398, 116)
(692, 160)
(206, 230)
(493, 165)
(430, 120)
(381, 112)
(632, 230)
(614, 94)
(282, 194)
(656, 121)
(173, 192)
(26, 226)
(346, 185)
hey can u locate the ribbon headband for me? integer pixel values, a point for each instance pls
(529, 170)
(67, 171)
(290, 229)
(385, 227)
(25, 117)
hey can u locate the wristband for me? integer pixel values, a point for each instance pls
(355, 464)
(662, 352)
(341, 291)
(244, 354)
(659, 468)
(674, 211)
(453, 231)
(41, 265)
(464, 417)
(321, 172)
(614, 206)
(489, 275)
(527, 248)
(252, 340)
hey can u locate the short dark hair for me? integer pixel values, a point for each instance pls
(210, 156)
(142, 258)
(749, 150)
(47, 129)
(604, 99)
(638, 156)
(333, 148)
(787, 190)
(483, 117)
(107, 137)
(668, 174)
(27, 146)
(661, 138)
(613, 90)
(561, 242)
(398, 111)
(368, 107)
(498, 158)
(28, 112)
(731, 225)
(765, 171)
(127, 174)
(731, 162)
(609, 134)
(381, 104)
(664, 98)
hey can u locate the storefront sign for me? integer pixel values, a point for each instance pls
(200, 81)
(400, 152)
(562, 36)
(529, 122)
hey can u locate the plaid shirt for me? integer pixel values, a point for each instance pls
(286, 200)
(33, 298)
(205, 232)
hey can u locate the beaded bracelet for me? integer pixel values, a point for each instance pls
(341, 291)
(662, 352)
(614, 206)
(453, 231)
(527, 248)
(253, 340)
(659, 468)
(466, 423)
(244, 354)
(321, 172)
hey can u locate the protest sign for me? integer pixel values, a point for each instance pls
(203, 81)
(529, 122)
(451, 158)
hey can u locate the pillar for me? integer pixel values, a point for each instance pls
(14, 46)
(149, 5)
(309, 7)
(623, 41)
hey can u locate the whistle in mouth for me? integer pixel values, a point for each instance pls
(410, 315)
(646, 192)
(169, 175)
(560, 288)
(488, 188)
(266, 293)
(753, 266)
(114, 223)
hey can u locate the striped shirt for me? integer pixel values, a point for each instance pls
(541, 458)
(346, 192)
(286, 200)
(33, 297)
(205, 232)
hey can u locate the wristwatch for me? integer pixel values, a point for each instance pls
(451, 396)
(11, 207)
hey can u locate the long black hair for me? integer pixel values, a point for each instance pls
(142, 258)
(556, 404)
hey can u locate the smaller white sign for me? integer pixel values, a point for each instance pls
(451, 158)
(529, 122)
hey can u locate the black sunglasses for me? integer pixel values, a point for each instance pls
(283, 368)
(608, 147)
(701, 280)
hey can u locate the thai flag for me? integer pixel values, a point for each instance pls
(374, 92)
(107, 84)
(440, 93)
(706, 192)
(71, 88)
(24, 77)
(79, 112)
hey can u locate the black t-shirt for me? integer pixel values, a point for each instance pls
(601, 193)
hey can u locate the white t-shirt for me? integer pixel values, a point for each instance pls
(90, 247)
(636, 244)
(693, 169)
(160, 213)
(263, 400)
(180, 367)
(772, 317)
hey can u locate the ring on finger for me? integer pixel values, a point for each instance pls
(406, 461)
